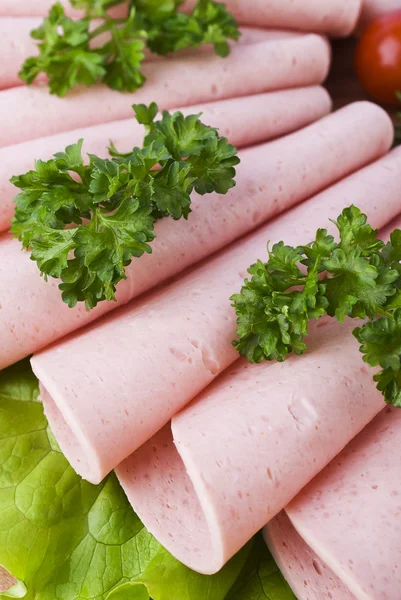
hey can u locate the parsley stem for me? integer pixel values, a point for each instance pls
(384, 313)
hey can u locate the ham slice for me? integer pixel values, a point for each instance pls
(250, 69)
(153, 357)
(316, 157)
(345, 527)
(16, 45)
(334, 17)
(40, 8)
(254, 438)
(245, 121)
(308, 576)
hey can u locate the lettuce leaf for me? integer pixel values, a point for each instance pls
(62, 538)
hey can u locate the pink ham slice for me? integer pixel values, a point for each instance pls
(40, 8)
(316, 157)
(309, 577)
(16, 45)
(249, 69)
(252, 440)
(174, 342)
(245, 121)
(333, 17)
(349, 520)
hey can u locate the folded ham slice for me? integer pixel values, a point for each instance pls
(334, 17)
(250, 69)
(245, 121)
(252, 440)
(316, 156)
(16, 45)
(40, 8)
(142, 366)
(343, 531)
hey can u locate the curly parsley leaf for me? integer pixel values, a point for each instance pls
(71, 53)
(359, 277)
(209, 23)
(84, 223)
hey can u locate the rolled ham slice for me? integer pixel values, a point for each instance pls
(245, 121)
(315, 156)
(16, 45)
(234, 458)
(161, 351)
(40, 8)
(333, 17)
(249, 69)
(308, 576)
(345, 526)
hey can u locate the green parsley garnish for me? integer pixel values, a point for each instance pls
(85, 222)
(358, 277)
(71, 51)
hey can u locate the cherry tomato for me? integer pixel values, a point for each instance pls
(378, 58)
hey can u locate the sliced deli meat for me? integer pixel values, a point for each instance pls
(149, 360)
(316, 157)
(308, 576)
(245, 121)
(333, 17)
(249, 69)
(345, 527)
(16, 45)
(236, 456)
(40, 8)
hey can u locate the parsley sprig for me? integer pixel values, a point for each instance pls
(358, 277)
(70, 52)
(84, 223)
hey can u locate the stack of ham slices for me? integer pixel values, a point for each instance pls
(154, 389)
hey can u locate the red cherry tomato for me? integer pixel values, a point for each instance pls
(378, 58)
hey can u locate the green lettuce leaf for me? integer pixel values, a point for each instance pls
(62, 538)
(260, 579)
